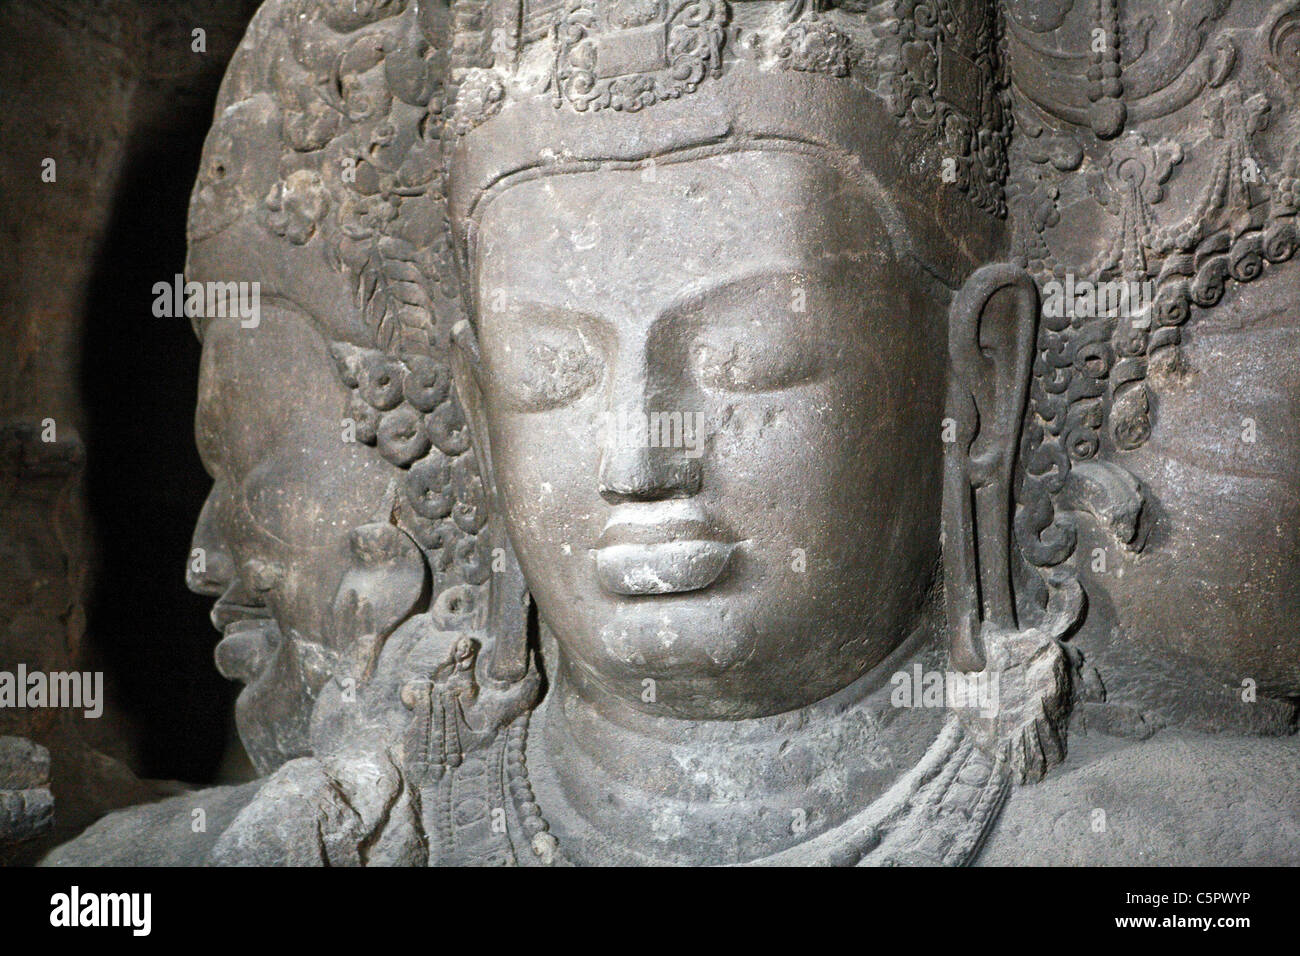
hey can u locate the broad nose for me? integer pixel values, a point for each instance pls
(210, 568)
(650, 443)
(631, 473)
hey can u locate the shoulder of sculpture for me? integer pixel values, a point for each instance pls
(177, 831)
(346, 809)
(1176, 798)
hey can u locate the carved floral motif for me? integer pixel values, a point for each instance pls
(1091, 384)
(632, 54)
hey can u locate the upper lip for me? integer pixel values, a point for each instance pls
(672, 555)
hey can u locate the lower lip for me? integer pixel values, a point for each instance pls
(672, 567)
(245, 649)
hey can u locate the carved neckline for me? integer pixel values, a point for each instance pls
(935, 811)
(936, 814)
(467, 754)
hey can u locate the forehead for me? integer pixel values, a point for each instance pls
(676, 223)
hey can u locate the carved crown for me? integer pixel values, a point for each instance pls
(933, 64)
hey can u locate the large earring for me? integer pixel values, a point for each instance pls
(992, 328)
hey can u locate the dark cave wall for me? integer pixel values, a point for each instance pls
(95, 526)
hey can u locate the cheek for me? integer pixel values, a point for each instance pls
(866, 428)
(276, 542)
(1219, 577)
(294, 514)
(547, 466)
(841, 479)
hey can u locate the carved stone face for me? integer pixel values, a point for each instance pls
(275, 531)
(778, 548)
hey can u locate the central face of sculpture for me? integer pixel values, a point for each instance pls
(713, 393)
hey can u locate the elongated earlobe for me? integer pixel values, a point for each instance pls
(465, 340)
(992, 329)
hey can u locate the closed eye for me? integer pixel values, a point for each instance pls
(753, 358)
(540, 363)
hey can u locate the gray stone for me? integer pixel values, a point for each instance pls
(659, 442)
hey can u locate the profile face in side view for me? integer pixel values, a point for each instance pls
(276, 532)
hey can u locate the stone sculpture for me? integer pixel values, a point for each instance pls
(645, 392)
(1154, 155)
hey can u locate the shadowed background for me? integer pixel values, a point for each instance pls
(95, 528)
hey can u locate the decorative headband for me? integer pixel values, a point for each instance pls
(929, 69)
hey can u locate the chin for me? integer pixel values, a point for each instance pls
(653, 638)
(273, 714)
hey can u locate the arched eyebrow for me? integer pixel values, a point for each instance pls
(797, 272)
